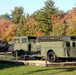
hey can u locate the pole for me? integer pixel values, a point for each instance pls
(46, 60)
(6, 55)
(16, 56)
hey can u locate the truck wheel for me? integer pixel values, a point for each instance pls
(51, 57)
(22, 57)
(21, 52)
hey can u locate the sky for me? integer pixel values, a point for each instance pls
(6, 6)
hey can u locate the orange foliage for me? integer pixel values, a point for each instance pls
(6, 30)
(74, 18)
(72, 15)
(32, 26)
(39, 34)
(55, 19)
(71, 30)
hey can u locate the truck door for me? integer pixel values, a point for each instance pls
(17, 44)
(24, 43)
(32, 46)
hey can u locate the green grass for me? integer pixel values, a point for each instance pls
(14, 69)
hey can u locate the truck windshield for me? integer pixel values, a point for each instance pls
(24, 40)
(17, 40)
(32, 40)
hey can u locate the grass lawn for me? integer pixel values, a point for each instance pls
(14, 69)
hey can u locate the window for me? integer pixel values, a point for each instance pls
(16, 41)
(67, 44)
(73, 44)
(24, 40)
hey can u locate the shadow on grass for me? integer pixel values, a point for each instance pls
(7, 64)
(54, 70)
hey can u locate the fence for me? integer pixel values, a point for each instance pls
(8, 56)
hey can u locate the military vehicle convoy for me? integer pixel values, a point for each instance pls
(55, 48)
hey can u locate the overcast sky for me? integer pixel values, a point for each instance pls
(6, 6)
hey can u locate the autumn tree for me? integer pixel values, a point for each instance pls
(71, 22)
(59, 29)
(74, 15)
(7, 29)
(58, 25)
(58, 17)
(32, 27)
(71, 30)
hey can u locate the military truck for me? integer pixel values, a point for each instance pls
(55, 48)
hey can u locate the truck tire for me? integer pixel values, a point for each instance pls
(51, 57)
(21, 52)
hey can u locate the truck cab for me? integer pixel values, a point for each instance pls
(25, 45)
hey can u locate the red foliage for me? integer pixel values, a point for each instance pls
(39, 34)
(6, 29)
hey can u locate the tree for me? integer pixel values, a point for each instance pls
(21, 31)
(59, 29)
(71, 31)
(70, 19)
(7, 30)
(74, 15)
(17, 15)
(32, 26)
(40, 18)
(45, 15)
(50, 11)
(60, 16)
(6, 16)
(18, 18)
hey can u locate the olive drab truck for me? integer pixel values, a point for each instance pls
(55, 48)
